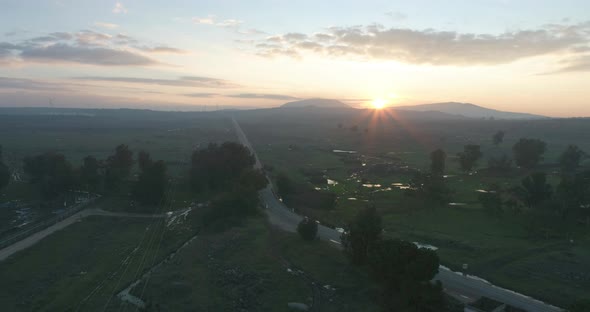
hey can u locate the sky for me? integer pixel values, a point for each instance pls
(516, 55)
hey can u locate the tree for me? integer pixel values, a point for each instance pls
(573, 192)
(570, 158)
(528, 152)
(491, 200)
(430, 187)
(403, 272)
(51, 173)
(90, 176)
(118, 165)
(535, 189)
(219, 166)
(469, 157)
(498, 137)
(362, 233)
(437, 159)
(307, 229)
(150, 188)
(500, 164)
(285, 185)
(144, 160)
(4, 172)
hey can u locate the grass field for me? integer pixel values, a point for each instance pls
(247, 267)
(497, 249)
(81, 267)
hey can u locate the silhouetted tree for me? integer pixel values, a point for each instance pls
(573, 193)
(500, 164)
(307, 229)
(491, 200)
(363, 232)
(403, 272)
(498, 137)
(51, 173)
(118, 166)
(429, 187)
(4, 172)
(285, 185)
(469, 157)
(438, 158)
(535, 189)
(90, 175)
(528, 152)
(150, 188)
(219, 166)
(144, 160)
(570, 158)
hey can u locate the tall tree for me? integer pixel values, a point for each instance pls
(528, 152)
(469, 157)
(491, 200)
(144, 160)
(498, 137)
(570, 158)
(535, 189)
(403, 272)
(438, 158)
(150, 188)
(430, 187)
(307, 229)
(218, 166)
(4, 172)
(500, 164)
(90, 175)
(362, 233)
(118, 165)
(51, 173)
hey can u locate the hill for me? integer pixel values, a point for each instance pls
(469, 110)
(321, 103)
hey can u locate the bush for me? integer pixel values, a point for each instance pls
(308, 229)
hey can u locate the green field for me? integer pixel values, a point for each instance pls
(247, 267)
(498, 249)
(84, 265)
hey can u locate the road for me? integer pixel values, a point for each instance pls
(465, 288)
(34, 238)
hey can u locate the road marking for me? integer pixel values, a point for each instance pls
(335, 242)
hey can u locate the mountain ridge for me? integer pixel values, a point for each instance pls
(468, 110)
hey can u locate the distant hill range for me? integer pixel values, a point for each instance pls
(468, 110)
(320, 103)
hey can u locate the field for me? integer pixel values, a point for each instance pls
(78, 133)
(384, 157)
(84, 265)
(250, 268)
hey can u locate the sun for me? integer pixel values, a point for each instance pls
(378, 103)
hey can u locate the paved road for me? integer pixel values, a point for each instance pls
(33, 239)
(465, 288)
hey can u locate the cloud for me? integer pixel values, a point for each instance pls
(162, 49)
(374, 42)
(187, 81)
(119, 8)
(263, 96)
(574, 64)
(396, 16)
(61, 52)
(28, 84)
(83, 47)
(106, 25)
(201, 95)
(212, 20)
